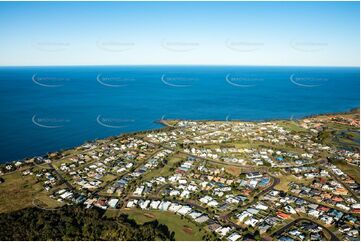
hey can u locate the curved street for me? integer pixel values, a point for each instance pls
(333, 237)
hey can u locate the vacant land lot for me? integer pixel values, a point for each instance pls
(233, 170)
(17, 192)
(168, 168)
(286, 179)
(183, 228)
(42, 199)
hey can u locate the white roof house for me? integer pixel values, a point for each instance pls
(314, 213)
(223, 231)
(113, 202)
(164, 205)
(232, 200)
(174, 207)
(195, 214)
(154, 204)
(212, 203)
(66, 195)
(233, 237)
(243, 215)
(144, 204)
(252, 175)
(202, 219)
(132, 203)
(184, 210)
(174, 193)
(261, 206)
(138, 191)
(206, 199)
(251, 221)
(185, 194)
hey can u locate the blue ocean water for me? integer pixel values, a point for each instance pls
(50, 108)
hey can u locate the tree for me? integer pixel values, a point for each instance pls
(76, 223)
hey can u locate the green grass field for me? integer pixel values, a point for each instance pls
(183, 228)
(17, 192)
(166, 170)
(43, 200)
(291, 126)
(286, 179)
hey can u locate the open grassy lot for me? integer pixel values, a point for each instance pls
(17, 192)
(286, 179)
(259, 144)
(58, 163)
(291, 126)
(233, 170)
(183, 228)
(351, 170)
(109, 177)
(43, 200)
(341, 136)
(167, 169)
(170, 122)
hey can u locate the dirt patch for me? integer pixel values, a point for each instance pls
(233, 170)
(188, 230)
(149, 215)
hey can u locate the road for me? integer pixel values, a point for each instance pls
(281, 230)
(126, 173)
(353, 193)
(249, 167)
(60, 176)
(315, 202)
(275, 181)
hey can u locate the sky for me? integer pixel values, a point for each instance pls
(180, 33)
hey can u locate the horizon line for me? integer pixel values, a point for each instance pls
(175, 65)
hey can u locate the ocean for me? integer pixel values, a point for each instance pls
(46, 109)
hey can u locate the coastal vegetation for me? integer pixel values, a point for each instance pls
(77, 223)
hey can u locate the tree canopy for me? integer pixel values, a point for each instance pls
(76, 223)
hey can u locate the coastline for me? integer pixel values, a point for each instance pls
(91, 174)
(165, 126)
(349, 111)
